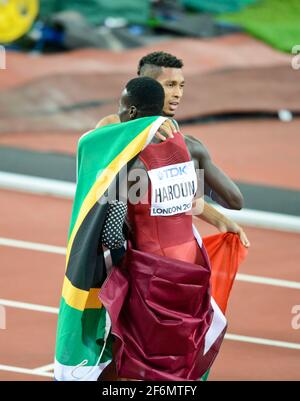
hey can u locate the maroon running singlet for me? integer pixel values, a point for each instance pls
(159, 298)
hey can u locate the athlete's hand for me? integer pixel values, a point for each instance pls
(166, 130)
(232, 227)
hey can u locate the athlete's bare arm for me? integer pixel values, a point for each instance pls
(218, 186)
(224, 224)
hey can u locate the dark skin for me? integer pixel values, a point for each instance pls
(225, 190)
(215, 178)
(172, 81)
(228, 193)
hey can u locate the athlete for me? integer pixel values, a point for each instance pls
(167, 269)
(167, 70)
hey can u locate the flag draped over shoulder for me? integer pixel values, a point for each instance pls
(83, 346)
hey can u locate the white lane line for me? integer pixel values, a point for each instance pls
(34, 246)
(23, 305)
(65, 189)
(261, 219)
(262, 341)
(37, 185)
(249, 278)
(234, 337)
(15, 369)
(43, 371)
(45, 368)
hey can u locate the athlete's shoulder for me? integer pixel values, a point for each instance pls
(194, 142)
(192, 139)
(196, 147)
(111, 119)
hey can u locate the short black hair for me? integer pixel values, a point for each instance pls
(159, 59)
(147, 95)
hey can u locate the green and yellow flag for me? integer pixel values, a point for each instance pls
(83, 343)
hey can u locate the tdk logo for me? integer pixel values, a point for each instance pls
(172, 172)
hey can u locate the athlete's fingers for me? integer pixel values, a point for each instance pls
(165, 131)
(244, 239)
(168, 127)
(158, 135)
(172, 129)
(172, 126)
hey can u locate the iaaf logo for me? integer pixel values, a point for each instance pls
(172, 172)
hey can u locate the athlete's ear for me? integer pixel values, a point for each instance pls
(132, 112)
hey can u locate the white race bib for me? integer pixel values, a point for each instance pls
(173, 189)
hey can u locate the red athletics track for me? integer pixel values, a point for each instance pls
(35, 277)
(233, 145)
